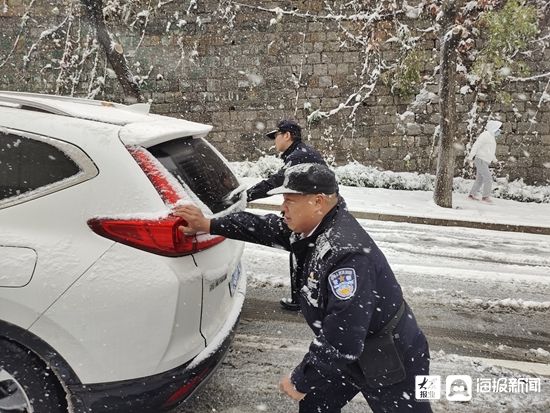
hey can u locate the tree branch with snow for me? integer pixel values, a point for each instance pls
(113, 50)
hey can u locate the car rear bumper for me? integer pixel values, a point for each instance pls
(166, 390)
(156, 393)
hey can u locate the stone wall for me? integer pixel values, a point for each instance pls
(241, 68)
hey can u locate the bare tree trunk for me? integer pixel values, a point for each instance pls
(443, 191)
(113, 50)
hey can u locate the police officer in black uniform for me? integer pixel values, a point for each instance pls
(288, 142)
(366, 337)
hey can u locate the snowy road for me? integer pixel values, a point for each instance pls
(479, 296)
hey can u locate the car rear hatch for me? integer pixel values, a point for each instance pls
(183, 167)
(206, 177)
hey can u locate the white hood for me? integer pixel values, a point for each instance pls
(493, 126)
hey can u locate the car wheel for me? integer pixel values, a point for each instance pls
(27, 385)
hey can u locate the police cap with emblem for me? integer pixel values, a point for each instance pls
(307, 178)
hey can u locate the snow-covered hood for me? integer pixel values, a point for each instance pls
(493, 126)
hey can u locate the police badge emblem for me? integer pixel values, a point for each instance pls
(343, 283)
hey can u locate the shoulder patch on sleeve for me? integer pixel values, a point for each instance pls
(343, 283)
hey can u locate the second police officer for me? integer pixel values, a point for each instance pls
(287, 138)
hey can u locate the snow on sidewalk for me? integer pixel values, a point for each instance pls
(420, 204)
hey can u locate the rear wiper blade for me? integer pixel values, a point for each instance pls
(235, 195)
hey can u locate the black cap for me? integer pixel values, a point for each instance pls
(287, 125)
(307, 178)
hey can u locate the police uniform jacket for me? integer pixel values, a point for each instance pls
(295, 154)
(347, 288)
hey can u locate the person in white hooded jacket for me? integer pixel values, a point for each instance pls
(482, 154)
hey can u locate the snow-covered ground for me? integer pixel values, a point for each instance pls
(420, 204)
(358, 175)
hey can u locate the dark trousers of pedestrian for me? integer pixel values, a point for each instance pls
(396, 398)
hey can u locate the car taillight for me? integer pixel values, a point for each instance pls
(159, 236)
(160, 181)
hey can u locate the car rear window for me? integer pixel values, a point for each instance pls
(27, 164)
(195, 163)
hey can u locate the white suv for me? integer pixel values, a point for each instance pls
(104, 305)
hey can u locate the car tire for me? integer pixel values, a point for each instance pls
(26, 383)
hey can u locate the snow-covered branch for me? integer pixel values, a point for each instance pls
(86, 53)
(369, 17)
(145, 15)
(65, 61)
(354, 100)
(95, 81)
(545, 96)
(298, 79)
(22, 26)
(43, 35)
(527, 79)
(163, 3)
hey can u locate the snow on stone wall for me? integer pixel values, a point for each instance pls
(241, 67)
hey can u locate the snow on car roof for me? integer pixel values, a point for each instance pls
(97, 110)
(138, 126)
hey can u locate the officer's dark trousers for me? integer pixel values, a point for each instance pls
(397, 398)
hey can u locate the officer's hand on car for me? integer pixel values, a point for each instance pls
(286, 386)
(196, 221)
